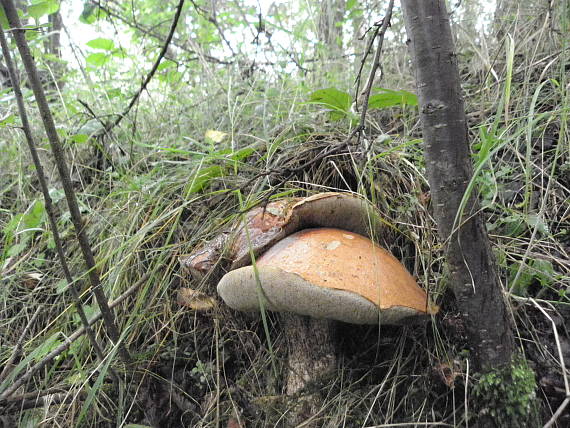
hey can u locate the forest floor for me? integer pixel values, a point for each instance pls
(154, 192)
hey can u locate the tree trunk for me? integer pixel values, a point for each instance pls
(472, 272)
(329, 34)
(329, 31)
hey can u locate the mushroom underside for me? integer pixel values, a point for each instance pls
(288, 292)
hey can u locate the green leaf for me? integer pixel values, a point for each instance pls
(42, 8)
(79, 138)
(10, 119)
(61, 286)
(16, 249)
(389, 98)
(242, 153)
(335, 101)
(35, 216)
(45, 348)
(203, 178)
(114, 92)
(101, 43)
(3, 20)
(97, 59)
(544, 271)
(165, 64)
(91, 13)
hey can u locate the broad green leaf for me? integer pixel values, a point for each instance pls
(534, 220)
(42, 8)
(97, 59)
(16, 249)
(389, 98)
(335, 101)
(525, 278)
(242, 153)
(79, 138)
(101, 43)
(10, 119)
(35, 216)
(203, 178)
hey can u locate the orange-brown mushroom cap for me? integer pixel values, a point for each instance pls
(328, 273)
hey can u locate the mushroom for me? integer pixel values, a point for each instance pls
(266, 225)
(324, 274)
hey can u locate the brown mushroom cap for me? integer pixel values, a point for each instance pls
(268, 225)
(328, 273)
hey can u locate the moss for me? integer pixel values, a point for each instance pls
(506, 396)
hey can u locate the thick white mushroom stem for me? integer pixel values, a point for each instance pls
(312, 356)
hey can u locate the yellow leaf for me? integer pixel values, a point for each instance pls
(194, 299)
(216, 136)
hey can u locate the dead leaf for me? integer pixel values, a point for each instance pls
(195, 299)
(32, 279)
(447, 373)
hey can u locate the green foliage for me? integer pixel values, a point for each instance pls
(101, 43)
(20, 229)
(8, 120)
(507, 395)
(384, 98)
(3, 19)
(535, 271)
(91, 13)
(41, 8)
(337, 103)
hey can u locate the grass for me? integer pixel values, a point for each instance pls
(168, 189)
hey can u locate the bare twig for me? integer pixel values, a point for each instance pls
(43, 400)
(48, 202)
(68, 341)
(63, 171)
(153, 69)
(375, 65)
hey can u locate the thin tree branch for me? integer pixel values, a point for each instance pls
(177, 43)
(63, 170)
(48, 201)
(375, 64)
(153, 69)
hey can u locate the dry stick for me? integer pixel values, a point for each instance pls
(68, 341)
(59, 156)
(8, 365)
(153, 70)
(375, 65)
(45, 400)
(48, 201)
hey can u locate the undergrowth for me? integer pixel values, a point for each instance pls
(164, 183)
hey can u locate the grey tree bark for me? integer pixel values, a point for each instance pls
(472, 271)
